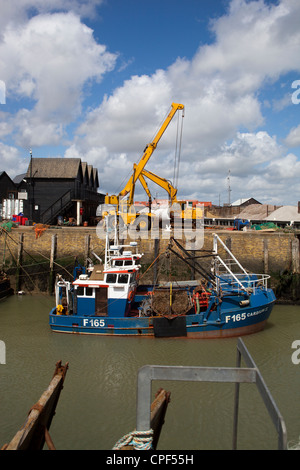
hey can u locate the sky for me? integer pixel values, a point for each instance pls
(94, 79)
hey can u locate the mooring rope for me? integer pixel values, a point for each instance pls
(294, 445)
(140, 440)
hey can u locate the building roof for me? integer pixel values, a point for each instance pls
(257, 211)
(19, 178)
(62, 168)
(96, 179)
(285, 214)
(54, 168)
(240, 202)
(4, 174)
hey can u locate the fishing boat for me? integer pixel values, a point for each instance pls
(108, 299)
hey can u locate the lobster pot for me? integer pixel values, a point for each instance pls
(170, 301)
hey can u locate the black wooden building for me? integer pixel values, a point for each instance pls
(65, 187)
(8, 189)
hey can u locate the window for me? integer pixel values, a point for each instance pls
(111, 278)
(80, 291)
(85, 291)
(129, 263)
(123, 278)
(118, 263)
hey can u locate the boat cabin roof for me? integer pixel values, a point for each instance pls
(97, 274)
(99, 277)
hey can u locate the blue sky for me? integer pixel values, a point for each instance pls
(94, 79)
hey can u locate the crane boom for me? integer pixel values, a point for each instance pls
(162, 182)
(138, 168)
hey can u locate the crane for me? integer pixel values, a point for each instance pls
(187, 211)
(124, 206)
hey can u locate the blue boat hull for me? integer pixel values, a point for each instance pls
(229, 321)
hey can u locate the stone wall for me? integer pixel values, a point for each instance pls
(260, 251)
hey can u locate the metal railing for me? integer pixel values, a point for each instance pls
(235, 375)
(250, 284)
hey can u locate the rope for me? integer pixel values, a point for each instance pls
(294, 445)
(142, 275)
(177, 152)
(140, 440)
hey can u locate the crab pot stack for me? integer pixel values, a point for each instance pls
(170, 301)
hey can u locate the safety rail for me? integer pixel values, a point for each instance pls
(237, 375)
(230, 264)
(240, 284)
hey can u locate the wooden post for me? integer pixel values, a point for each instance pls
(295, 256)
(266, 256)
(19, 262)
(52, 258)
(86, 249)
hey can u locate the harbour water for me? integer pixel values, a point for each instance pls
(98, 402)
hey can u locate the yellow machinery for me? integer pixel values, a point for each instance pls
(183, 209)
(125, 207)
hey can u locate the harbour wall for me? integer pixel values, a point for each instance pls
(33, 257)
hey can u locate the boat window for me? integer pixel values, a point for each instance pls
(128, 263)
(132, 277)
(80, 291)
(118, 263)
(111, 278)
(123, 278)
(89, 291)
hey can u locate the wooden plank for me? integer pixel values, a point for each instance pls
(35, 431)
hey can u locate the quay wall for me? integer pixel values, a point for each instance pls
(32, 256)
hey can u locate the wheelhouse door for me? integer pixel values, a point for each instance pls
(101, 301)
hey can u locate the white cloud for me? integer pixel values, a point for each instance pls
(254, 43)
(11, 160)
(293, 139)
(284, 169)
(19, 11)
(50, 59)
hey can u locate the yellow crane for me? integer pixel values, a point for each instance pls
(124, 208)
(183, 209)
